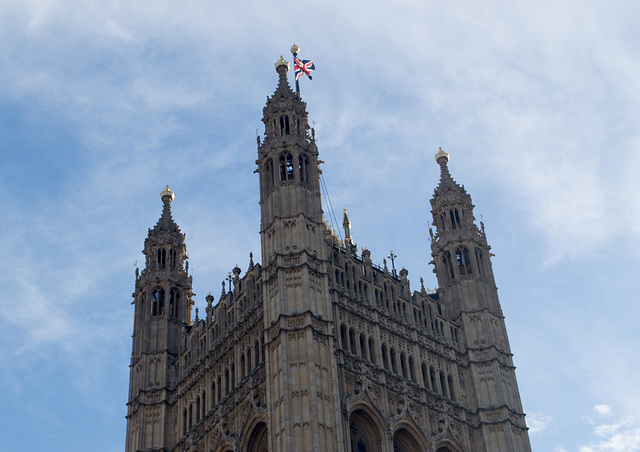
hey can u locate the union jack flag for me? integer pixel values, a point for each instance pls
(303, 66)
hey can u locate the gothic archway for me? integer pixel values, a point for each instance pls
(258, 441)
(405, 441)
(363, 432)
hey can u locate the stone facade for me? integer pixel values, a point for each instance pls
(317, 348)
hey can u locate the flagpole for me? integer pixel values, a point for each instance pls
(295, 49)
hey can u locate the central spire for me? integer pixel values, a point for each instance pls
(166, 222)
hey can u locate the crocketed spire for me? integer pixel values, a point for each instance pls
(448, 190)
(284, 99)
(166, 222)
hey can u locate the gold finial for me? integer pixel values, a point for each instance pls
(167, 192)
(442, 154)
(295, 49)
(282, 62)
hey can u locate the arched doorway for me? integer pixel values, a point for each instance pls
(364, 435)
(258, 441)
(404, 441)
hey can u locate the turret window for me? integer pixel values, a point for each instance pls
(174, 301)
(286, 166)
(464, 263)
(480, 261)
(157, 307)
(268, 174)
(455, 218)
(284, 125)
(446, 262)
(161, 259)
(172, 259)
(304, 168)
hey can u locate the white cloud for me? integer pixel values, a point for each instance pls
(602, 410)
(537, 422)
(621, 435)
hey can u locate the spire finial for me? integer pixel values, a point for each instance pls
(167, 192)
(442, 155)
(282, 63)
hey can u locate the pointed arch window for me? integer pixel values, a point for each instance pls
(480, 261)
(464, 263)
(454, 216)
(446, 262)
(392, 355)
(385, 361)
(157, 304)
(174, 302)
(432, 377)
(372, 357)
(268, 174)
(303, 167)
(161, 259)
(284, 125)
(172, 259)
(286, 166)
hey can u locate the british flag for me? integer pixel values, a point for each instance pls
(303, 66)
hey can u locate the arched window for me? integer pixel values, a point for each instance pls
(219, 390)
(480, 261)
(242, 364)
(257, 353)
(443, 385)
(204, 403)
(385, 361)
(352, 342)
(464, 263)
(286, 166)
(363, 347)
(343, 338)
(403, 365)
(161, 260)
(425, 379)
(197, 409)
(446, 261)
(174, 302)
(455, 218)
(303, 163)
(184, 421)
(268, 174)
(432, 377)
(450, 384)
(412, 370)
(392, 356)
(372, 357)
(157, 305)
(233, 376)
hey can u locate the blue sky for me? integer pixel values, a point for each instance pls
(104, 103)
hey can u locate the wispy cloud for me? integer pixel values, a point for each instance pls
(616, 435)
(537, 422)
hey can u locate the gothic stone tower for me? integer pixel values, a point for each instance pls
(162, 309)
(318, 348)
(301, 366)
(463, 267)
